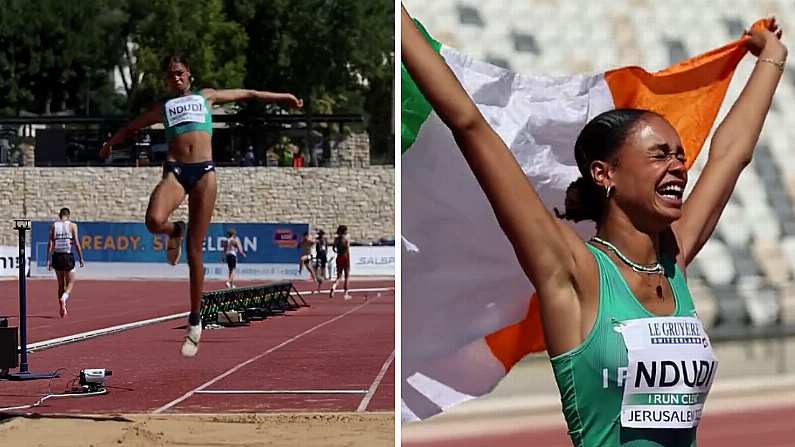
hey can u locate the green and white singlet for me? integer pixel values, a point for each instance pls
(187, 114)
(638, 380)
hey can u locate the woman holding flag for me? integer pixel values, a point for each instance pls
(188, 171)
(631, 359)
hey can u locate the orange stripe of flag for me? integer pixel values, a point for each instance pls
(512, 343)
(688, 94)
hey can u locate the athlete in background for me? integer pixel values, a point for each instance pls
(63, 235)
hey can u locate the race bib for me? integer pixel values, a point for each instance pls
(185, 109)
(63, 242)
(63, 237)
(670, 370)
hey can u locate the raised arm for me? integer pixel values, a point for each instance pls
(235, 95)
(535, 234)
(148, 118)
(733, 143)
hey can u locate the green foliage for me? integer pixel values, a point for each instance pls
(338, 52)
(45, 65)
(214, 46)
(375, 61)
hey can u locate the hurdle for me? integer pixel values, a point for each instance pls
(22, 226)
(255, 302)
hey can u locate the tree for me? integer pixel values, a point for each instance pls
(53, 55)
(336, 52)
(374, 61)
(214, 46)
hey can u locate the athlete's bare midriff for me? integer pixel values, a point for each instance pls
(190, 147)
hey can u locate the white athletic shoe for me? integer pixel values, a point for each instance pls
(191, 344)
(62, 303)
(347, 297)
(228, 285)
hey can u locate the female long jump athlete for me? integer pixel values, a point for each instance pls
(188, 170)
(602, 300)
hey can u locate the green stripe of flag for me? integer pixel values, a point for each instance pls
(414, 109)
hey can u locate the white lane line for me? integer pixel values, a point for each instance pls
(45, 344)
(255, 358)
(374, 289)
(51, 343)
(374, 386)
(282, 392)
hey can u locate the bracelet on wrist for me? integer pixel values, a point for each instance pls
(778, 63)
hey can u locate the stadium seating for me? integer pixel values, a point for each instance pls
(750, 260)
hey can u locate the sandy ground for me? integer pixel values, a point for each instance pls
(250, 430)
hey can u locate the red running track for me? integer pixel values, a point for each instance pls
(770, 427)
(98, 304)
(332, 345)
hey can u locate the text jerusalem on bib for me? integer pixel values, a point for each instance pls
(670, 370)
(186, 109)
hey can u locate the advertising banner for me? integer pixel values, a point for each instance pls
(128, 250)
(9, 260)
(373, 261)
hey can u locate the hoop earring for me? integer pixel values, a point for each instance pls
(607, 194)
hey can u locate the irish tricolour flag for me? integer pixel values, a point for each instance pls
(467, 309)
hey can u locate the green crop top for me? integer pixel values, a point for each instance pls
(187, 114)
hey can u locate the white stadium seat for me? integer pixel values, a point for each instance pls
(715, 262)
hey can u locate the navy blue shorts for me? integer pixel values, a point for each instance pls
(188, 174)
(231, 261)
(321, 260)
